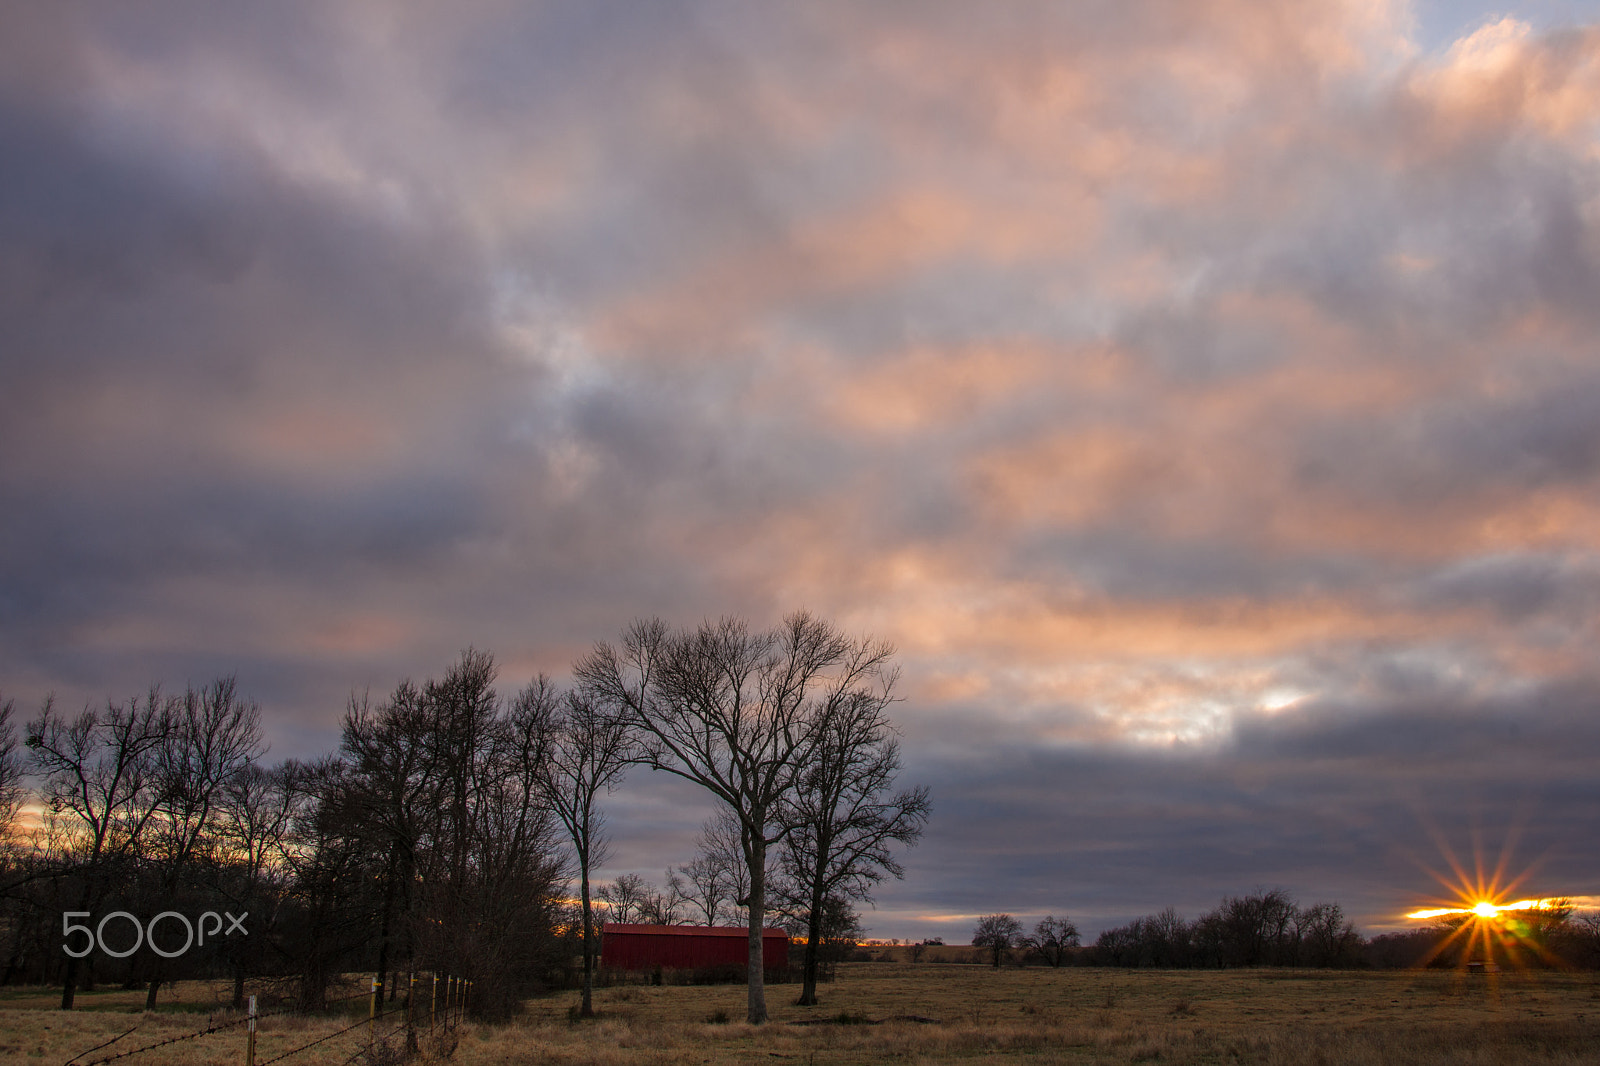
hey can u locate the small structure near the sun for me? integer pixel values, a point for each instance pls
(687, 947)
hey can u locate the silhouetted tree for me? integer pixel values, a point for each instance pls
(625, 898)
(100, 775)
(493, 864)
(330, 905)
(253, 831)
(215, 733)
(997, 934)
(588, 751)
(665, 906)
(1325, 937)
(394, 783)
(11, 770)
(842, 822)
(740, 714)
(444, 802)
(724, 878)
(706, 885)
(1052, 939)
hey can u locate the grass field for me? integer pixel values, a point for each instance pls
(879, 1012)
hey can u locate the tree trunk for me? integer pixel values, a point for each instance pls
(808, 984)
(150, 993)
(383, 929)
(756, 999)
(587, 1009)
(70, 985)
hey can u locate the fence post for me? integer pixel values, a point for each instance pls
(411, 998)
(433, 1000)
(372, 1009)
(250, 1040)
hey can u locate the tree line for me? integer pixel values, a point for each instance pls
(1270, 928)
(448, 829)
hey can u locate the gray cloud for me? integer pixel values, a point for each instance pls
(1201, 401)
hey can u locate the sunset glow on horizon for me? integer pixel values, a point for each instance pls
(1486, 909)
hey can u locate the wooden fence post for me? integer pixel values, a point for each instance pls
(411, 1024)
(372, 1010)
(250, 1040)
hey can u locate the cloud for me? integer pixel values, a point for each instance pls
(1161, 378)
(1099, 832)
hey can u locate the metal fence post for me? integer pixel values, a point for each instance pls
(433, 1000)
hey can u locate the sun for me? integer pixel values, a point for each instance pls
(1482, 925)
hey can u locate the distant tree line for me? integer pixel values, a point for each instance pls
(1265, 929)
(447, 830)
(1270, 928)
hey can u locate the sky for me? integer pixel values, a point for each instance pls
(1200, 395)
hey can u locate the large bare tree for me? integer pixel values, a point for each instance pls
(215, 734)
(393, 781)
(100, 773)
(139, 784)
(740, 713)
(588, 751)
(843, 821)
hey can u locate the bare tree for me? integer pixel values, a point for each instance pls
(706, 886)
(330, 858)
(1325, 937)
(665, 907)
(842, 822)
(997, 934)
(253, 828)
(1052, 939)
(723, 882)
(444, 812)
(498, 864)
(703, 886)
(738, 713)
(394, 781)
(625, 898)
(99, 770)
(588, 751)
(11, 789)
(215, 734)
(1255, 929)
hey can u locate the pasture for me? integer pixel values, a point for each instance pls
(922, 1013)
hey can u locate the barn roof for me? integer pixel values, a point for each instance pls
(687, 930)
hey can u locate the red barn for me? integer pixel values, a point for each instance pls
(687, 947)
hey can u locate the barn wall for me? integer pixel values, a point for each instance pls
(686, 947)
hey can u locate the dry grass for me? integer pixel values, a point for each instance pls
(1035, 1015)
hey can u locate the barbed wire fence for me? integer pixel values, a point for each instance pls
(444, 1014)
